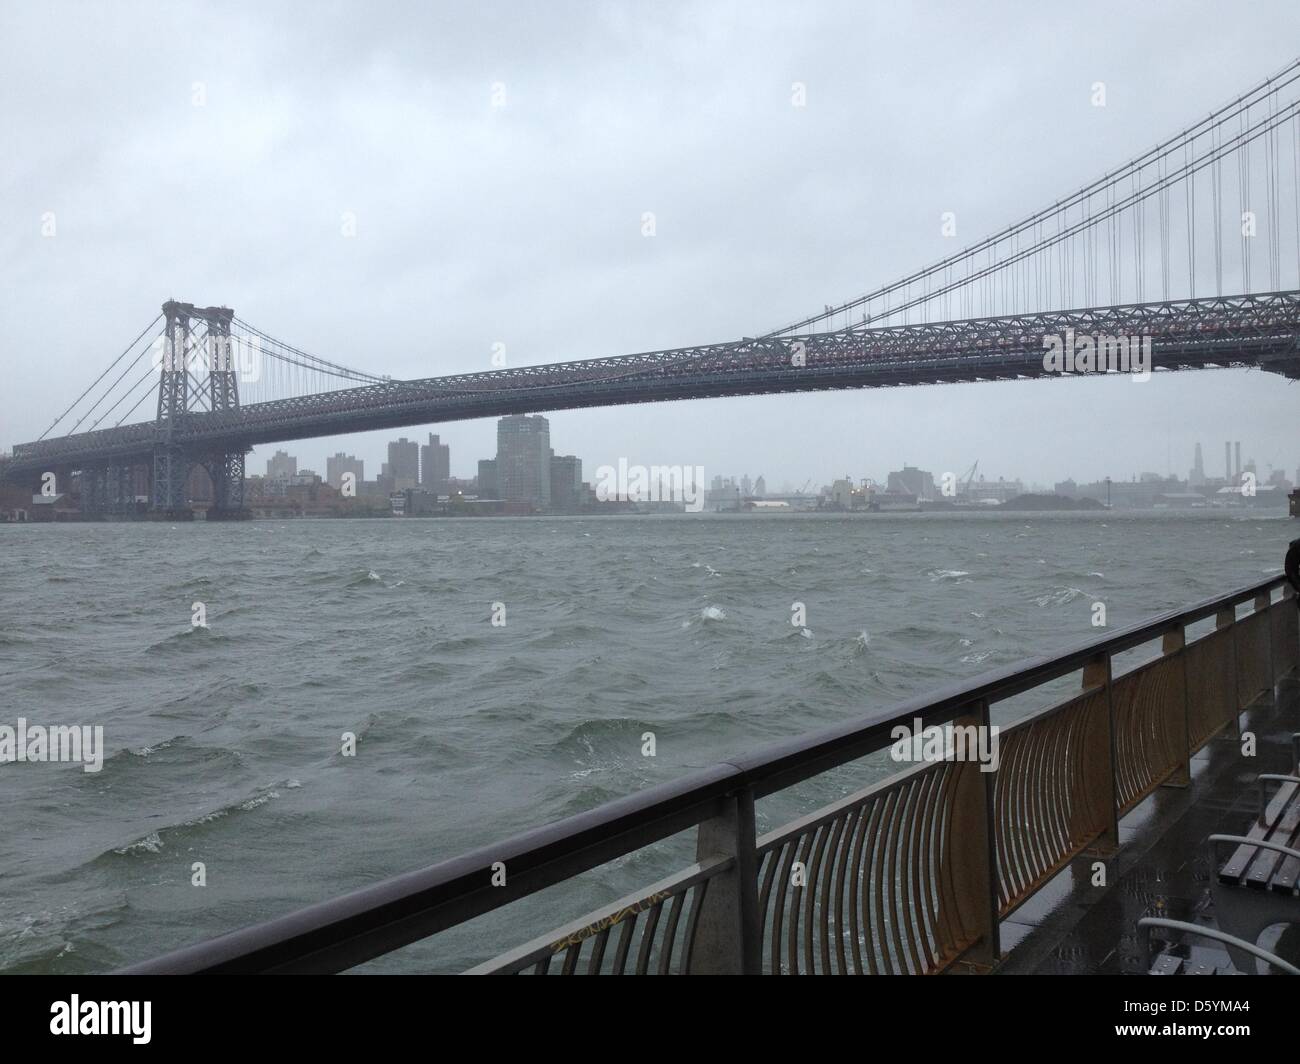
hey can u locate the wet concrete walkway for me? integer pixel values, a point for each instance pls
(1163, 868)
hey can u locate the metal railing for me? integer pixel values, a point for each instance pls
(908, 875)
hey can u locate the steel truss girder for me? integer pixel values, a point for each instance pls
(1246, 330)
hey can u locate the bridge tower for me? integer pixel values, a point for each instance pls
(197, 382)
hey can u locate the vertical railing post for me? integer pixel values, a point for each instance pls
(973, 847)
(1285, 686)
(1175, 642)
(1099, 758)
(1227, 618)
(1262, 603)
(728, 939)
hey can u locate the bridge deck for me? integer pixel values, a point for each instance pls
(1261, 331)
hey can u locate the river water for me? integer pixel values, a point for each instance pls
(223, 745)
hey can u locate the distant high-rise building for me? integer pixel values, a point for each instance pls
(524, 459)
(435, 466)
(746, 486)
(760, 487)
(281, 466)
(404, 464)
(338, 464)
(1227, 460)
(1237, 465)
(1197, 476)
(566, 482)
(487, 479)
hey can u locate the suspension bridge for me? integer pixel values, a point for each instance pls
(1193, 245)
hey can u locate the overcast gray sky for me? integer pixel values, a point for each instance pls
(521, 224)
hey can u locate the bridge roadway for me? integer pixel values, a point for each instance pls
(1261, 331)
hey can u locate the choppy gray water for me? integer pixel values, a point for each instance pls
(223, 745)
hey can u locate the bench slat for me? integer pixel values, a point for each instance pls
(1239, 864)
(1282, 830)
(1166, 965)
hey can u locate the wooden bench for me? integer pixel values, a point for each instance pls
(1259, 885)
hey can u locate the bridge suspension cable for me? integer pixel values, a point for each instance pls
(1076, 270)
(129, 348)
(1068, 230)
(150, 390)
(267, 368)
(289, 353)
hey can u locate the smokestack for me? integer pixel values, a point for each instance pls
(1238, 463)
(1227, 460)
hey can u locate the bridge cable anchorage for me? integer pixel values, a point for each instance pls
(1209, 126)
(106, 372)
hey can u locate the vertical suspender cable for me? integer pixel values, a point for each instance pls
(1243, 197)
(1295, 181)
(1189, 200)
(1216, 178)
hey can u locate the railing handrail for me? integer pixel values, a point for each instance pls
(350, 929)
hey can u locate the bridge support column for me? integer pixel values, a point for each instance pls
(122, 483)
(94, 492)
(171, 469)
(108, 489)
(226, 470)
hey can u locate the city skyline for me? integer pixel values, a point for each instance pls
(1195, 471)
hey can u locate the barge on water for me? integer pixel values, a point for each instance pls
(1146, 821)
